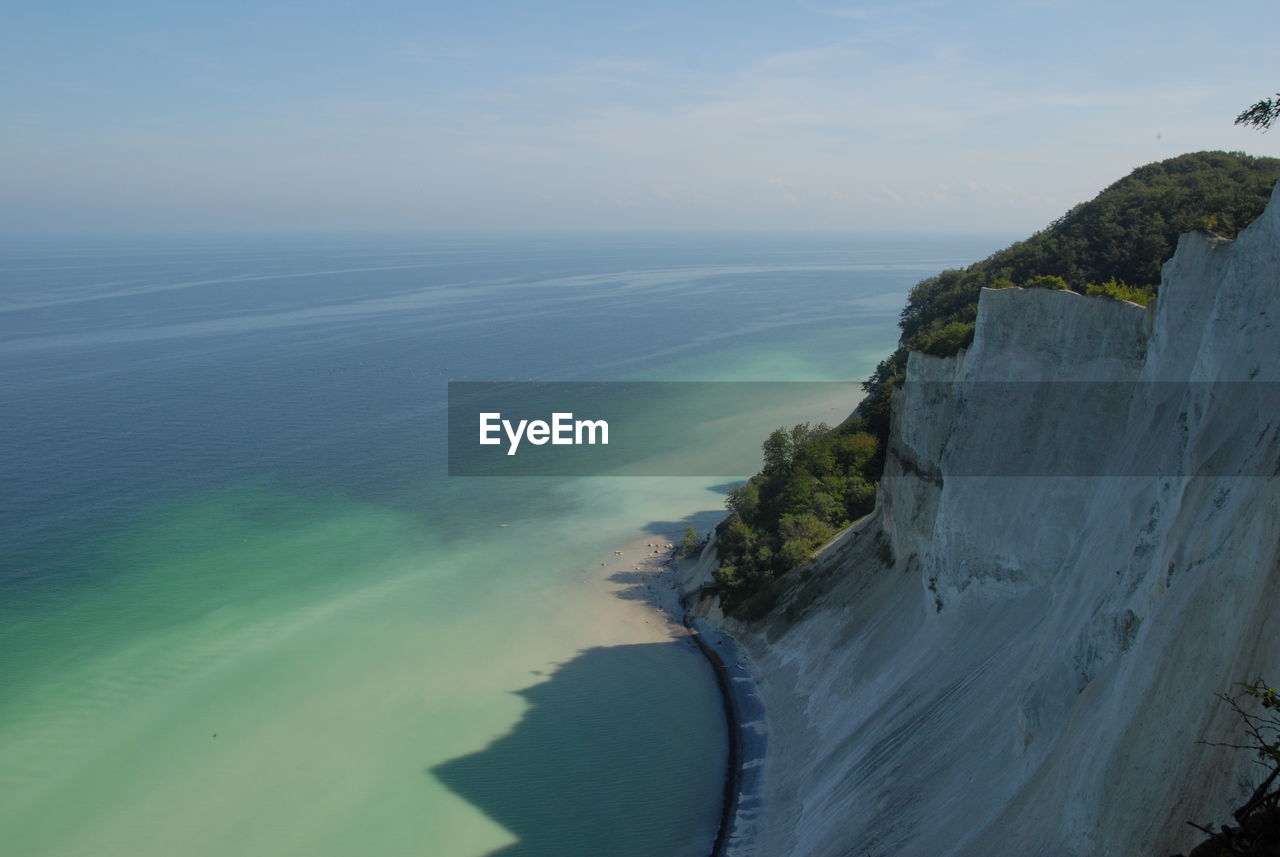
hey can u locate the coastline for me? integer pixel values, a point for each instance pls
(654, 579)
(733, 725)
(748, 736)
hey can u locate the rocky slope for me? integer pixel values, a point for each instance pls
(1018, 650)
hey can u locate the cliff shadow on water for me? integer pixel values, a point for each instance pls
(702, 522)
(589, 769)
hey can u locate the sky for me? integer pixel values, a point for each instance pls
(794, 115)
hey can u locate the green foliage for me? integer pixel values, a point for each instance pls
(1117, 290)
(804, 533)
(1265, 731)
(1262, 114)
(815, 480)
(1046, 281)
(690, 543)
(1259, 816)
(1125, 233)
(946, 340)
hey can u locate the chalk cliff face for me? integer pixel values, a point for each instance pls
(1008, 657)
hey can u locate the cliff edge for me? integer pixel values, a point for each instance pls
(1075, 545)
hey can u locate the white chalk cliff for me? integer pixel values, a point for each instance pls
(1022, 664)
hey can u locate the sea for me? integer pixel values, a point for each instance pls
(244, 609)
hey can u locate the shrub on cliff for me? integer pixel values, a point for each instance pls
(1125, 233)
(691, 543)
(815, 481)
(1122, 236)
(1258, 818)
(1120, 291)
(945, 340)
(1046, 281)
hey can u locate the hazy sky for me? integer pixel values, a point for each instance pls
(835, 115)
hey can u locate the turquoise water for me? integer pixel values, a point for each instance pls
(244, 612)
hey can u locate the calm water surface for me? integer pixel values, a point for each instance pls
(244, 612)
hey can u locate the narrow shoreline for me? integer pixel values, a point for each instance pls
(651, 578)
(733, 765)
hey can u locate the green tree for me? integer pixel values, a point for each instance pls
(1046, 281)
(1117, 290)
(946, 340)
(1259, 823)
(778, 449)
(744, 501)
(691, 542)
(738, 540)
(1261, 115)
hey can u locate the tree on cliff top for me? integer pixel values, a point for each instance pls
(1124, 234)
(1262, 114)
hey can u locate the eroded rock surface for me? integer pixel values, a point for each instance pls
(1022, 663)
